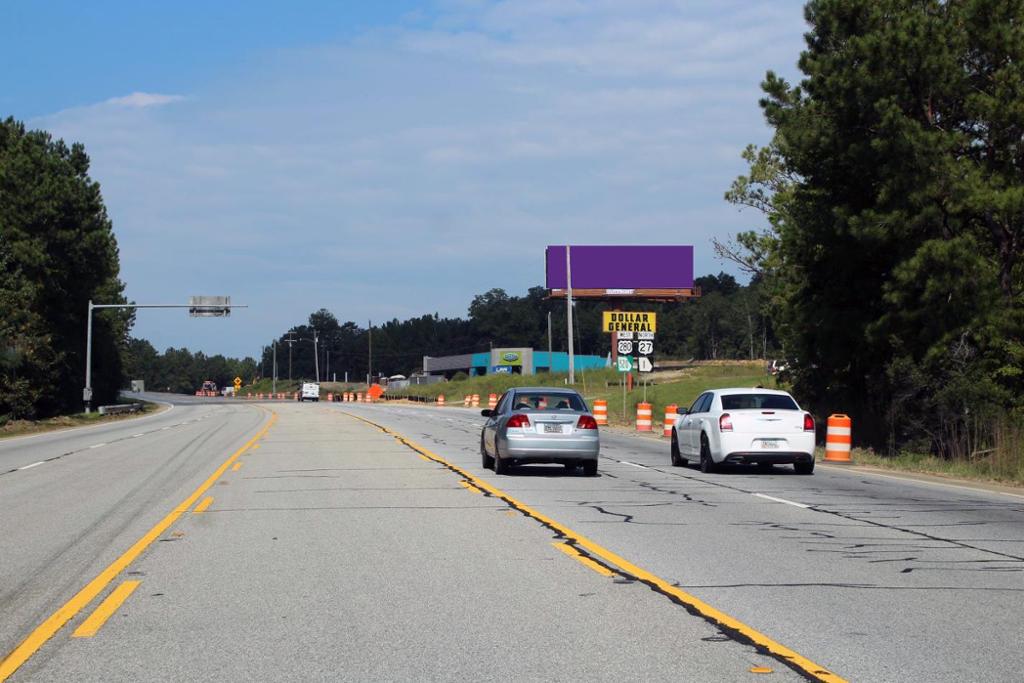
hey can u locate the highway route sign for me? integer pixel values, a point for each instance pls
(625, 347)
(644, 347)
(645, 364)
(624, 363)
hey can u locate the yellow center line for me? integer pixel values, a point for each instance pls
(201, 508)
(575, 554)
(470, 487)
(46, 630)
(237, 466)
(106, 609)
(728, 623)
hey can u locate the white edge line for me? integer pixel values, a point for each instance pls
(35, 464)
(913, 480)
(97, 445)
(783, 500)
(135, 436)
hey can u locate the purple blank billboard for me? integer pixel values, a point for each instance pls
(623, 267)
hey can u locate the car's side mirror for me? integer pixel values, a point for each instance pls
(486, 413)
(682, 411)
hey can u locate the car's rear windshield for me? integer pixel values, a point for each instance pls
(543, 401)
(758, 402)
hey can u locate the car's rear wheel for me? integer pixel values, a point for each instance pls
(501, 466)
(677, 459)
(804, 467)
(590, 468)
(570, 467)
(486, 460)
(707, 465)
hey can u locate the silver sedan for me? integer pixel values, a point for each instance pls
(540, 425)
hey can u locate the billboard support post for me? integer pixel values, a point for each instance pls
(568, 311)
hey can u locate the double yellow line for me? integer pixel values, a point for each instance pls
(46, 630)
(575, 544)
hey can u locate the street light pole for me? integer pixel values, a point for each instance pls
(290, 341)
(87, 391)
(274, 383)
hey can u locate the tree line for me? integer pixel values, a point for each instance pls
(894, 194)
(726, 322)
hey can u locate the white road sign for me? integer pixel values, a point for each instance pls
(645, 364)
(645, 348)
(625, 347)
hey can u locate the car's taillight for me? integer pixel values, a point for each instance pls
(586, 422)
(808, 422)
(725, 423)
(519, 421)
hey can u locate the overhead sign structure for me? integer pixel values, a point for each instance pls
(629, 321)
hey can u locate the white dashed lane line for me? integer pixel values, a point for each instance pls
(35, 464)
(783, 500)
(97, 445)
(626, 462)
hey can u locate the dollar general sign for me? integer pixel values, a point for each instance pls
(629, 321)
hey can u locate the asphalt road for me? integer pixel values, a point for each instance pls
(329, 549)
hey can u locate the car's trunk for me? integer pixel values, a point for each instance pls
(758, 422)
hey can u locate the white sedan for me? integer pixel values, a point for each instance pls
(761, 426)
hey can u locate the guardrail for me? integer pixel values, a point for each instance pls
(120, 409)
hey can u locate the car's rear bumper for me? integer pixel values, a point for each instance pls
(538, 450)
(769, 457)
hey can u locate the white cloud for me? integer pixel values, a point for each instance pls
(144, 99)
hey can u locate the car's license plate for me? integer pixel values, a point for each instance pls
(769, 444)
(552, 429)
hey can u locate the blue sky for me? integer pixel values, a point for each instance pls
(390, 159)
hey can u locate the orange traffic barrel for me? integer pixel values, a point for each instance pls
(440, 400)
(601, 411)
(643, 417)
(248, 395)
(359, 397)
(838, 438)
(492, 401)
(465, 400)
(671, 413)
(476, 400)
(330, 397)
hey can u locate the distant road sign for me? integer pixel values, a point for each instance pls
(238, 382)
(625, 347)
(645, 335)
(645, 347)
(645, 364)
(629, 321)
(624, 363)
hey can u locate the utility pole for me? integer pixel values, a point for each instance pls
(290, 341)
(568, 313)
(316, 356)
(369, 331)
(274, 382)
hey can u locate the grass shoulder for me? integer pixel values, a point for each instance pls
(12, 428)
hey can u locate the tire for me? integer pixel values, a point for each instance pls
(570, 467)
(501, 466)
(590, 468)
(707, 465)
(486, 460)
(764, 467)
(677, 459)
(804, 467)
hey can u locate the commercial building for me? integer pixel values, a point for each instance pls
(518, 361)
